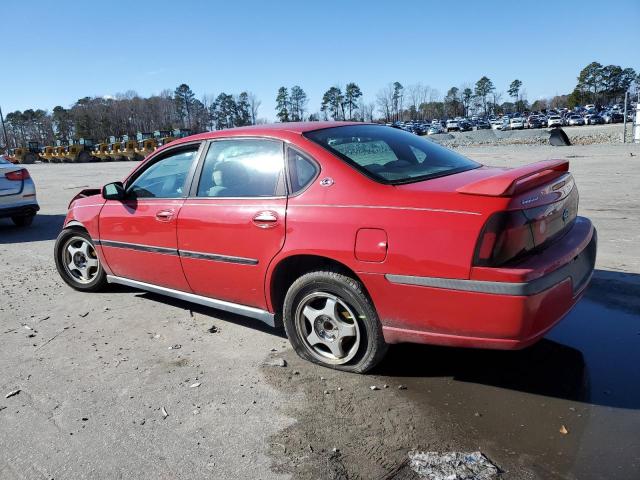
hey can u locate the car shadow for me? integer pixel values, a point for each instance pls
(44, 227)
(214, 313)
(592, 356)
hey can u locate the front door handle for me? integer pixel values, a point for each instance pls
(164, 215)
(265, 219)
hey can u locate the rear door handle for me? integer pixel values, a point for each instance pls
(265, 219)
(164, 215)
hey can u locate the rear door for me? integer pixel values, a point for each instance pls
(233, 223)
(138, 234)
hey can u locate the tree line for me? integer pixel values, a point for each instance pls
(98, 118)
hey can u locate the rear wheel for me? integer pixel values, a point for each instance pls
(23, 220)
(77, 261)
(330, 320)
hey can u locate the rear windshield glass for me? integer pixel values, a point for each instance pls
(390, 155)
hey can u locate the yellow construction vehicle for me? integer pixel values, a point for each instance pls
(114, 149)
(163, 137)
(100, 152)
(47, 154)
(146, 145)
(128, 148)
(28, 154)
(58, 152)
(79, 152)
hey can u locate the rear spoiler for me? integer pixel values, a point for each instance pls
(516, 179)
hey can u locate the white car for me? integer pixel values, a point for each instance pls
(576, 120)
(452, 125)
(589, 107)
(554, 121)
(516, 123)
(496, 125)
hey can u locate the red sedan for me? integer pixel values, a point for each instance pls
(354, 236)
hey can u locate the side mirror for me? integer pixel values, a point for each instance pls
(113, 191)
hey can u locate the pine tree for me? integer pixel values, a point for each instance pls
(282, 104)
(352, 93)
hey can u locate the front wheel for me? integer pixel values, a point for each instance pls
(330, 320)
(77, 261)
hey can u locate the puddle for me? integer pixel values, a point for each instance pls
(511, 406)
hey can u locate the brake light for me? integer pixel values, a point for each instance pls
(18, 175)
(505, 236)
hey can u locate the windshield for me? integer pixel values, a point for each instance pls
(389, 155)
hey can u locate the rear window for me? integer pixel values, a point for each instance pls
(390, 155)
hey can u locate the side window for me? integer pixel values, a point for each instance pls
(164, 178)
(302, 170)
(242, 168)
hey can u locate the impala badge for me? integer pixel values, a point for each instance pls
(565, 214)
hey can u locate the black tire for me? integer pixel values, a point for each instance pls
(23, 220)
(370, 347)
(98, 280)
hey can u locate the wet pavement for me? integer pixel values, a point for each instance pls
(583, 378)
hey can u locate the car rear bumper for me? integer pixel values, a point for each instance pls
(19, 210)
(503, 308)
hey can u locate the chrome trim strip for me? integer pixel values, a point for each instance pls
(440, 210)
(252, 312)
(136, 246)
(217, 257)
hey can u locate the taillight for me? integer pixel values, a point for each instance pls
(505, 236)
(18, 175)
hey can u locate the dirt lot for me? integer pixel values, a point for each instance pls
(95, 371)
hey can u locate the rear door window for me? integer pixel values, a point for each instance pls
(243, 168)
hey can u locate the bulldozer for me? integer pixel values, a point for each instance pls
(128, 148)
(163, 137)
(28, 154)
(100, 152)
(58, 152)
(79, 152)
(146, 145)
(114, 149)
(47, 154)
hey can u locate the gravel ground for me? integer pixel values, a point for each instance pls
(95, 371)
(578, 135)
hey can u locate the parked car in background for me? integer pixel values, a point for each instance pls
(483, 125)
(593, 119)
(17, 194)
(452, 126)
(554, 121)
(575, 120)
(465, 126)
(612, 117)
(435, 129)
(533, 122)
(237, 220)
(516, 123)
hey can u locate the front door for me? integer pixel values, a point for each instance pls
(138, 234)
(233, 223)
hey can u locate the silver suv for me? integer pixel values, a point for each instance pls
(17, 194)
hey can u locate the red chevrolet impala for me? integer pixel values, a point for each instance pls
(355, 236)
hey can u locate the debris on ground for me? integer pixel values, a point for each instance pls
(83, 314)
(12, 393)
(276, 362)
(452, 466)
(175, 347)
(563, 430)
(373, 387)
(402, 387)
(195, 385)
(164, 413)
(213, 329)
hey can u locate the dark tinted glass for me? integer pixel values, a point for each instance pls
(390, 155)
(301, 170)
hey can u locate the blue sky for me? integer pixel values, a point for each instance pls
(55, 52)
